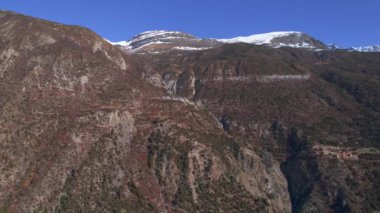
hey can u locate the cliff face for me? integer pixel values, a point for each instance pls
(85, 127)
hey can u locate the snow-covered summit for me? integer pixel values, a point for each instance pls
(279, 39)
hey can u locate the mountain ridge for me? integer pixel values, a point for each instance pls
(293, 39)
(372, 48)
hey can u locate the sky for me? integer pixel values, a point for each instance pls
(343, 22)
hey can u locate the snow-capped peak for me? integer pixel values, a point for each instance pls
(164, 40)
(279, 39)
(374, 48)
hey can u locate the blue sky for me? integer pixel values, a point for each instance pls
(345, 22)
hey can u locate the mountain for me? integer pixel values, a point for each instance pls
(161, 40)
(374, 48)
(84, 129)
(87, 126)
(280, 39)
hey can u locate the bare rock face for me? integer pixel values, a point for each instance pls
(85, 128)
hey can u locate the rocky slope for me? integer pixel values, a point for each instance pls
(83, 130)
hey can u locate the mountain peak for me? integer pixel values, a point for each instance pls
(162, 40)
(293, 39)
